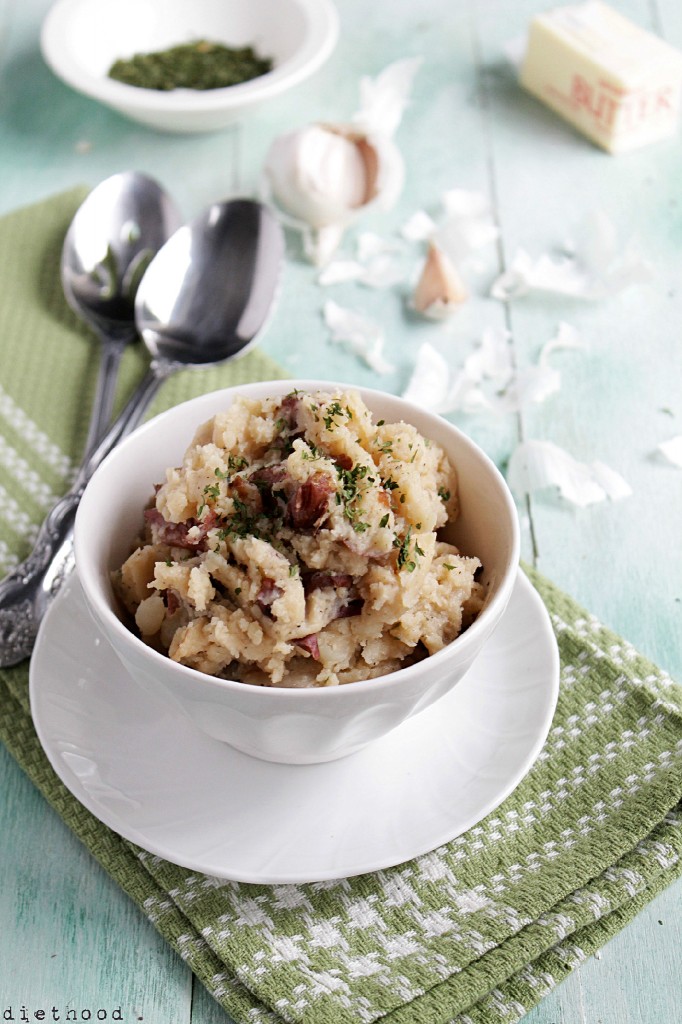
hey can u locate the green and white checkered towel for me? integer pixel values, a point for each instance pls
(476, 931)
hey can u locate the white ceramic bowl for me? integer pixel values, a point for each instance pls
(296, 726)
(81, 39)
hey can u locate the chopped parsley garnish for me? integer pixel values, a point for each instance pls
(443, 494)
(235, 463)
(403, 546)
(384, 521)
(210, 491)
(349, 494)
(293, 570)
(380, 423)
(241, 523)
(312, 453)
(334, 409)
(351, 514)
(349, 480)
(446, 565)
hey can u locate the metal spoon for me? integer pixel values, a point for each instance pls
(112, 238)
(204, 299)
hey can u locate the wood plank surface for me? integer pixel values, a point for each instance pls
(68, 936)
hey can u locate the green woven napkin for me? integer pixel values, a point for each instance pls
(476, 931)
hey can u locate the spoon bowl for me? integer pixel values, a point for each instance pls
(209, 291)
(112, 238)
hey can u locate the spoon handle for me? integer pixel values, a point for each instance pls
(26, 593)
(105, 388)
(125, 422)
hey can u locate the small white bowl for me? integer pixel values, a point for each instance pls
(296, 726)
(81, 39)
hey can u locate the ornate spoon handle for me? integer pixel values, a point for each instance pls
(26, 593)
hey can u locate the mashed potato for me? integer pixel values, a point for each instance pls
(298, 545)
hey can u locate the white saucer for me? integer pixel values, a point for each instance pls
(150, 775)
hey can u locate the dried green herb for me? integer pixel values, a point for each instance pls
(242, 522)
(199, 65)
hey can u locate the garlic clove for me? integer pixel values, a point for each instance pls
(440, 289)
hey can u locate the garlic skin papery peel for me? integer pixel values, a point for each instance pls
(538, 465)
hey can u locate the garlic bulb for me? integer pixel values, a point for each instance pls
(321, 174)
(440, 289)
(324, 175)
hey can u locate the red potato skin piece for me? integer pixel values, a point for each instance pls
(351, 608)
(309, 643)
(267, 594)
(319, 580)
(309, 504)
(289, 411)
(247, 492)
(176, 534)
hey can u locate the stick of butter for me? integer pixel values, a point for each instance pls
(619, 85)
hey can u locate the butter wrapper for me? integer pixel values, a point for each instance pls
(616, 83)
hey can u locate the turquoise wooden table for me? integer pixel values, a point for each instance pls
(68, 936)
